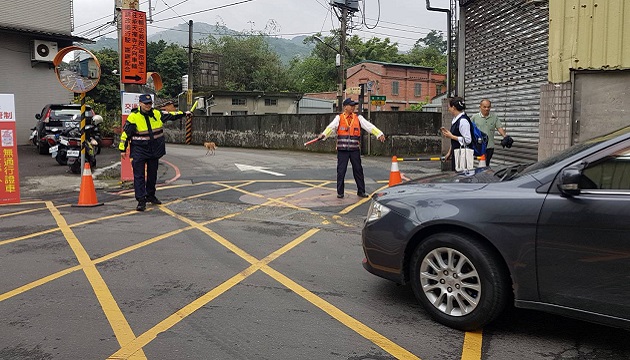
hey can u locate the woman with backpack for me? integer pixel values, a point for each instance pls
(460, 132)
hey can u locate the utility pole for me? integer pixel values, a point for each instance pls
(342, 46)
(190, 62)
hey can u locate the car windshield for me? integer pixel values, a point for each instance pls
(572, 151)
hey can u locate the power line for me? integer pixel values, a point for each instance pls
(235, 35)
(171, 7)
(210, 9)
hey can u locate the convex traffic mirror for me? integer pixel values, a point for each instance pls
(77, 69)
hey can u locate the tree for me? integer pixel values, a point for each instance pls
(434, 39)
(154, 49)
(107, 91)
(374, 49)
(431, 54)
(247, 63)
(171, 64)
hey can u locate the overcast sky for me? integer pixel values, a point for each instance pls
(403, 21)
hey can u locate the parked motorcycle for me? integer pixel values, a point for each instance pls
(67, 150)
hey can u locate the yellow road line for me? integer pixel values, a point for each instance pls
(125, 352)
(24, 203)
(187, 310)
(107, 257)
(86, 222)
(39, 282)
(472, 345)
(352, 323)
(114, 315)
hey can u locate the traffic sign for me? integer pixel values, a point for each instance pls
(378, 100)
(134, 47)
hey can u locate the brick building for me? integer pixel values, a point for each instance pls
(403, 84)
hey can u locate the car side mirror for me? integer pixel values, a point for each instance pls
(570, 179)
(38, 116)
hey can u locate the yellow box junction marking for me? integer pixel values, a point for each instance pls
(114, 315)
(472, 341)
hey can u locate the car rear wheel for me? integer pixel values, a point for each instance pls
(458, 281)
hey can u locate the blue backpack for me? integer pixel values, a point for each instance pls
(479, 139)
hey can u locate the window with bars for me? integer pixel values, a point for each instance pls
(271, 102)
(417, 89)
(239, 101)
(395, 86)
(238, 112)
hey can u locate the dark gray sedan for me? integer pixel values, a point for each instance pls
(551, 236)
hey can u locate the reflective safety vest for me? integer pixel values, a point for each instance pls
(148, 139)
(349, 132)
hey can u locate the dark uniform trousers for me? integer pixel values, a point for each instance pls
(144, 187)
(357, 170)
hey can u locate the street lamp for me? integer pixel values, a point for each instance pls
(340, 73)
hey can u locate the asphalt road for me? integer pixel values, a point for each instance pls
(257, 261)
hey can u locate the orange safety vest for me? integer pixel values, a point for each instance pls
(349, 132)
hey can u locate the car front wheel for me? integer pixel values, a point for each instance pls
(458, 281)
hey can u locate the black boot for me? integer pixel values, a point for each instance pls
(153, 200)
(142, 205)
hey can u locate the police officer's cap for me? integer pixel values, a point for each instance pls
(145, 99)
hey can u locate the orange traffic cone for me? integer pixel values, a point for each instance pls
(87, 195)
(394, 174)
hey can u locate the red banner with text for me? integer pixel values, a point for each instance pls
(9, 179)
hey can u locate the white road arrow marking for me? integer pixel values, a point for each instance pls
(257, 168)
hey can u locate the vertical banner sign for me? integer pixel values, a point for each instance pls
(129, 102)
(134, 47)
(9, 179)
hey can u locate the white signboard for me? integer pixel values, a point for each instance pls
(7, 108)
(130, 101)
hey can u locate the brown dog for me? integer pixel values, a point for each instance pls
(210, 146)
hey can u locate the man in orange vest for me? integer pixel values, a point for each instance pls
(348, 126)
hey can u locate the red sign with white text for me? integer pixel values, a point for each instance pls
(9, 179)
(134, 47)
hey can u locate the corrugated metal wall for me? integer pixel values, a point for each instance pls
(43, 15)
(506, 61)
(588, 34)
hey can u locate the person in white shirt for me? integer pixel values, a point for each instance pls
(460, 130)
(348, 127)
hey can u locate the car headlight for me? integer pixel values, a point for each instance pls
(376, 211)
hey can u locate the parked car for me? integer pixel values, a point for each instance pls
(551, 236)
(58, 116)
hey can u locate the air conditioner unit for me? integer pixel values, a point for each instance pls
(43, 50)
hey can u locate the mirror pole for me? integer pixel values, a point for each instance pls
(83, 140)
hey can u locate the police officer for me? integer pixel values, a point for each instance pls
(144, 132)
(348, 126)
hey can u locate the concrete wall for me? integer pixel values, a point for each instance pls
(407, 133)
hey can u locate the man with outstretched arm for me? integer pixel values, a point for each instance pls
(144, 132)
(348, 127)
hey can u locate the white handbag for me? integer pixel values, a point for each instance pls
(464, 159)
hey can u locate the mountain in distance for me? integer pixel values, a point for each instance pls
(285, 48)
